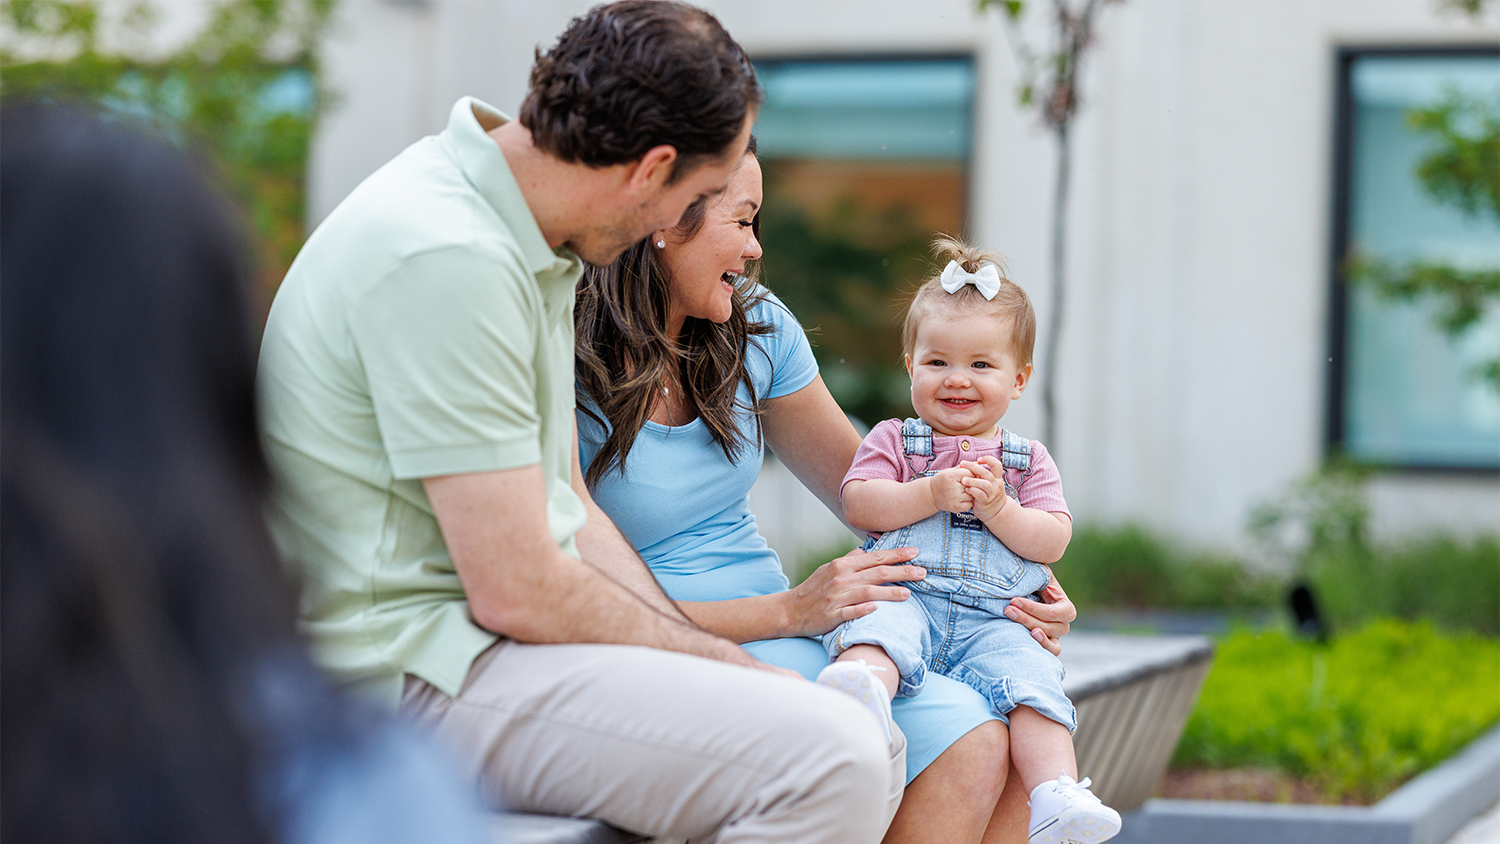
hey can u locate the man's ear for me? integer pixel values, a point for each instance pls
(1023, 376)
(652, 170)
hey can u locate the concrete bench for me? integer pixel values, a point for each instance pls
(1133, 695)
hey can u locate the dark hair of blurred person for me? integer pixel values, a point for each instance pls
(153, 688)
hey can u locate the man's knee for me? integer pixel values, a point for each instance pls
(843, 749)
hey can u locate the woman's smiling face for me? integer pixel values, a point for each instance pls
(702, 268)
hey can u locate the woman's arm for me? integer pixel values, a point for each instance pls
(812, 436)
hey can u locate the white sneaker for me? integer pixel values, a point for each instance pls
(857, 679)
(1066, 812)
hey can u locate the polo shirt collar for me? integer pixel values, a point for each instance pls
(487, 170)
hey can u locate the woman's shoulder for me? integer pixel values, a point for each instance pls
(782, 360)
(766, 306)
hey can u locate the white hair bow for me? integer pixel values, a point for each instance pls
(986, 281)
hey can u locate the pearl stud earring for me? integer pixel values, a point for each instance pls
(661, 244)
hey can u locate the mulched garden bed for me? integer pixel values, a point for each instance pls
(1258, 785)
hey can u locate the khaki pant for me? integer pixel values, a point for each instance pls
(667, 745)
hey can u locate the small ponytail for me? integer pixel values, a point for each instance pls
(970, 258)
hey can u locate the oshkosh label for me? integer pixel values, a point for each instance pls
(965, 521)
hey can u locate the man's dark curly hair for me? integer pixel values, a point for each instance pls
(636, 74)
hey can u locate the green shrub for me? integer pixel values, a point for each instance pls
(1453, 583)
(1357, 716)
(1129, 567)
(1320, 528)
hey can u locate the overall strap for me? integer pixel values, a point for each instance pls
(1015, 453)
(916, 441)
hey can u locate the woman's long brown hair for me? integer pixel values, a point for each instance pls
(624, 354)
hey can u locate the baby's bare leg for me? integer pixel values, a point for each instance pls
(875, 657)
(1041, 747)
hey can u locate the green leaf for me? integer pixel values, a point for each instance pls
(1463, 296)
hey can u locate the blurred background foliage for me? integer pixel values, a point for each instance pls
(1409, 673)
(242, 91)
(846, 271)
(1129, 567)
(1317, 532)
(866, 162)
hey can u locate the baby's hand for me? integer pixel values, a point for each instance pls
(986, 486)
(948, 492)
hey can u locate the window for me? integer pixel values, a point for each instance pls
(865, 161)
(1406, 391)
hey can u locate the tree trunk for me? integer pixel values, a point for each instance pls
(1049, 361)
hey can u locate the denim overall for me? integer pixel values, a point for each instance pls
(954, 621)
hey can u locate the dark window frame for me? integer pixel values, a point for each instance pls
(1338, 293)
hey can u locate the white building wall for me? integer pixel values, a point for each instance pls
(1194, 358)
(1195, 361)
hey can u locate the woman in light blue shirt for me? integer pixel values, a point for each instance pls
(686, 370)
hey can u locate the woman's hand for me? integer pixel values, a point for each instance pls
(848, 587)
(1048, 619)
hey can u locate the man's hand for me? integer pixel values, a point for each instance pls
(948, 491)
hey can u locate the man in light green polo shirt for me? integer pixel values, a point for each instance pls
(417, 386)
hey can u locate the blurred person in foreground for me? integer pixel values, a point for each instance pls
(417, 371)
(153, 686)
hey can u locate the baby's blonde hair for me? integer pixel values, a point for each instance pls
(1011, 303)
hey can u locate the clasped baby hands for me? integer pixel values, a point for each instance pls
(948, 491)
(971, 485)
(985, 486)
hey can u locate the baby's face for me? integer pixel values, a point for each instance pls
(963, 373)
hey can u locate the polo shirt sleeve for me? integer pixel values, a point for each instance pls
(447, 341)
